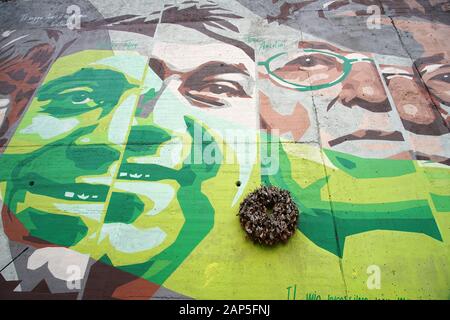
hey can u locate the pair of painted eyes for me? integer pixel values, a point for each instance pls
(212, 88)
(314, 60)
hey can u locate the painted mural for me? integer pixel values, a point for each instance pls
(130, 133)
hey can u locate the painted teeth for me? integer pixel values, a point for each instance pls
(133, 175)
(69, 194)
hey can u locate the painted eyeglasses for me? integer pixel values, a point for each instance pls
(309, 69)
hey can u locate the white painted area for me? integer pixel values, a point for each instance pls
(161, 194)
(12, 41)
(90, 210)
(169, 155)
(393, 70)
(98, 180)
(59, 260)
(48, 127)
(368, 91)
(4, 102)
(129, 239)
(432, 67)
(7, 33)
(83, 196)
(131, 64)
(121, 120)
(2, 115)
(410, 109)
(151, 81)
(400, 76)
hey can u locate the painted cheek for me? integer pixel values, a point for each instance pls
(367, 84)
(296, 123)
(411, 102)
(121, 120)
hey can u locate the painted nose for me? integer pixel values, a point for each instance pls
(363, 88)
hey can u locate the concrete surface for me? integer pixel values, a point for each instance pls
(130, 131)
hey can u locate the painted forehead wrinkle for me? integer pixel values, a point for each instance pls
(196, 55)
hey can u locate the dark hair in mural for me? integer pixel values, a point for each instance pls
(311, 17)
(199, 17)
(24, 59)
(28, 46)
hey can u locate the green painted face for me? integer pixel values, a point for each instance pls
(88, 167)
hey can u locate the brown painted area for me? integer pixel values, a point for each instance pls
(129, 23)
(368, 135)
(363, 77)
(138, 289)
(16, 231)
(107, 282)
(296, 123)
(419, 112)
(199, 85)
(287, 9)
(19, 77)
(405, 155)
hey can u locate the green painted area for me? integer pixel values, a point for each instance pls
(145, 141)
(197, 210)
(85, 90)
(47, 187)
(328, 224)
(53, 169)
(363, 168)
(56, 229)
(124, 208)
(91, 157)
(442, 203)
(149, 95)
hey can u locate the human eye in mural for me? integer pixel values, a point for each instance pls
(345, 86)
(437, 79)
(83, 91)
(310, 69)
(210, 85)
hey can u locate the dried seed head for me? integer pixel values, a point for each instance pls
(269, 215)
